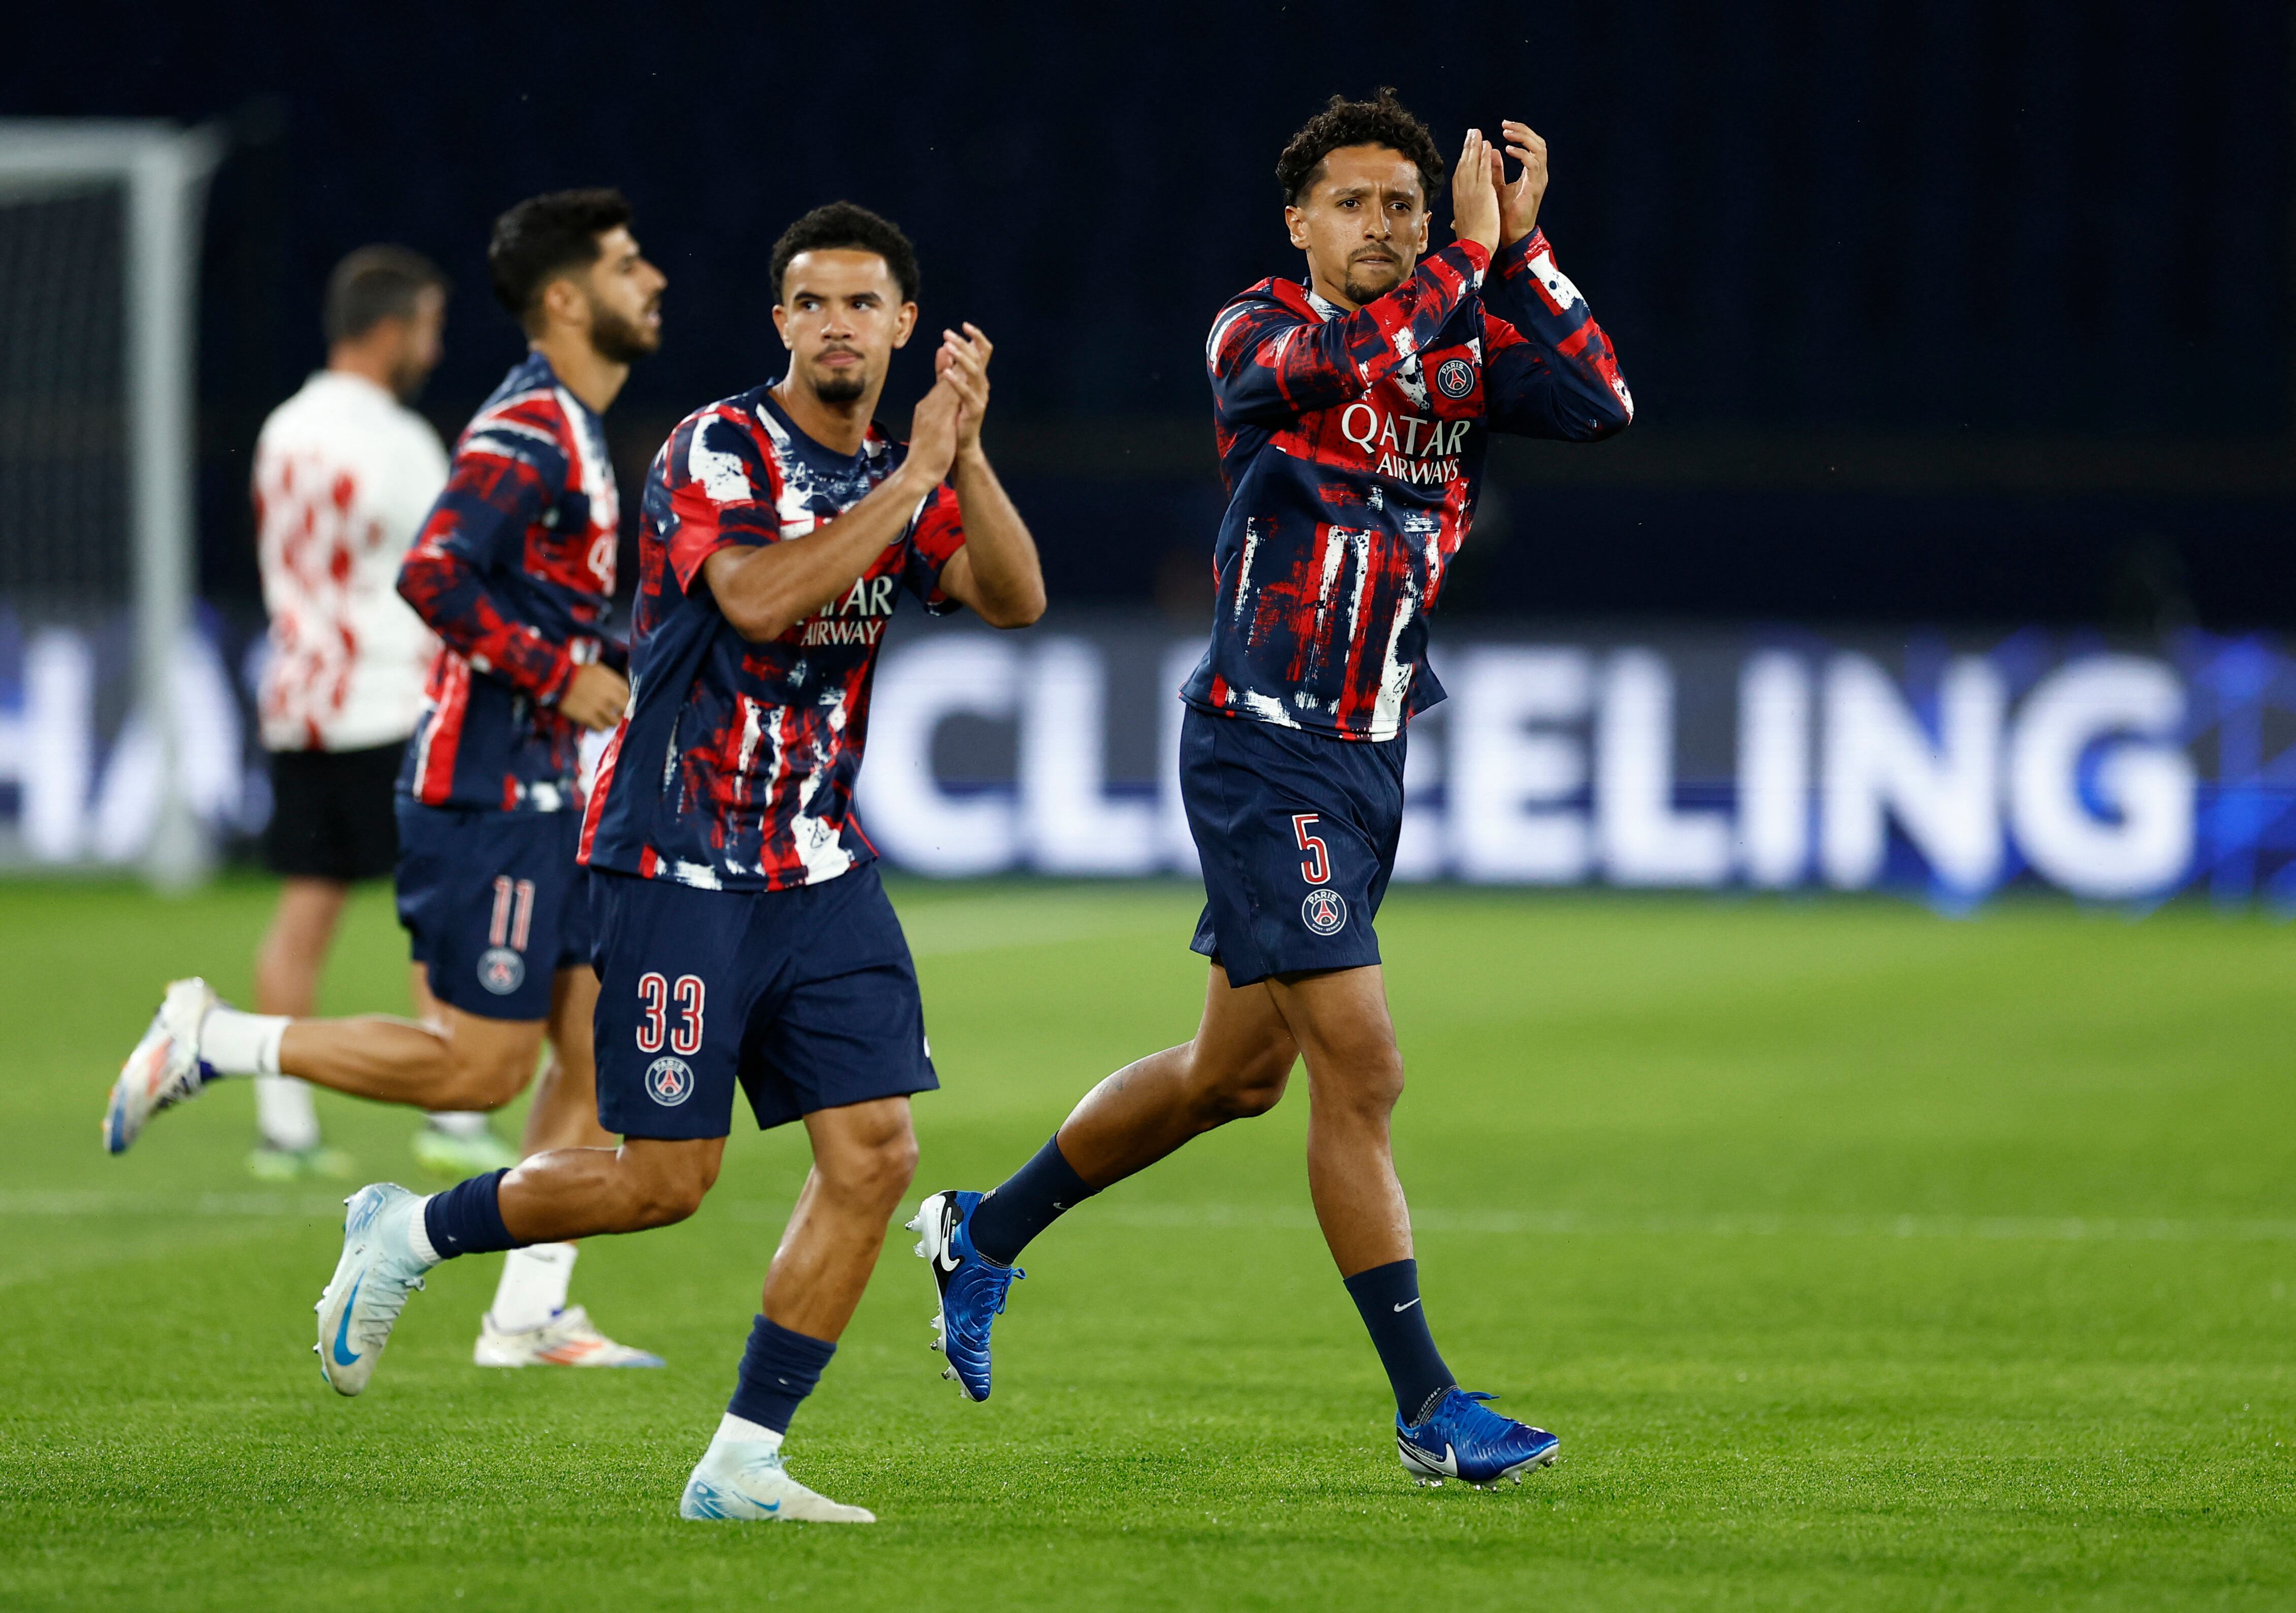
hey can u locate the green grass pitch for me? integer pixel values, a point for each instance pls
(1861, 1259)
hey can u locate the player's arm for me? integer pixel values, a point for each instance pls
(996, 573)
(493, 492)
(764, 592)
(1268, 364)
(1548, 368)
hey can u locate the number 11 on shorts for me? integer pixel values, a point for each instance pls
(1317, 867)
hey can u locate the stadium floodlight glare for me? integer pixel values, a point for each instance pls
(158, 173)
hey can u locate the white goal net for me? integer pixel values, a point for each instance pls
(100, 758)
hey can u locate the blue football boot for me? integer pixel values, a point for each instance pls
(1460, 1439)
(972, 1288)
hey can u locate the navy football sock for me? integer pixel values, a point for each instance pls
(778, 1369)
(466, 1219)
(1388, 1296)
(1032, 1200)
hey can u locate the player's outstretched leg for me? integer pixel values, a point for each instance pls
(1234, 1069)
(531, 1322)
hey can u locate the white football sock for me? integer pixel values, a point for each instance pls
(418, 1232)
(283, 1113)
(533, 1287)
(741, 1431)
(460, 1123)
(240, 1043)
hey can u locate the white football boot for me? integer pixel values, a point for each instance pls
(379, 1268)
(164, 1069)
(569, 1338)
(746, 1482)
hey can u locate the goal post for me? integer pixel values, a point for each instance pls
(158, 172)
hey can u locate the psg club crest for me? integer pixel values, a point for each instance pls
(670, 1082)
(1325, 912)
(1456, 377)
(501, 970)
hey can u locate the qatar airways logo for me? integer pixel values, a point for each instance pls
(858, 618)
(1409, 449)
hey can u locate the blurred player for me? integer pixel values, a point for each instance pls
(744, 937)
(514, 571)
(344, 474)
(1352, 417)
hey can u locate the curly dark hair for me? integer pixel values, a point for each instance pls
(543, 237)
(842, 225)
(1384, 121)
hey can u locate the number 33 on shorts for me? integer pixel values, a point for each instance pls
(670, 1014)
(1325, 911)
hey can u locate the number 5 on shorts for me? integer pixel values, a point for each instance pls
(1317, 869)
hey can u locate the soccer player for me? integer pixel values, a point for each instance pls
(345, 472)
(743, 938)
(1352, 416)
(514, 571)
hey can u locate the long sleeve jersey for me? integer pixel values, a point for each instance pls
(514, 570)
(734, 768)
(1352, 446)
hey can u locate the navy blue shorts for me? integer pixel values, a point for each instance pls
(494, 904)
(1295, 833)
(805, 998)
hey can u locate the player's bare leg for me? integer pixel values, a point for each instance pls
(287, 968)
(864, 1155)
(454, 1143)
(294, 948)
(565, 1109)
(458, 1060)
(1355, 1077)
(1233, 1069)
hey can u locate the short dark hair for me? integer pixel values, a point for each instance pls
(543, 237)
(373, 284)
(844, 227)
(1384, 121)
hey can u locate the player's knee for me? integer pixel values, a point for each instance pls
(1375, 1084)
(1250, 1099)
(886, 1168)
(486, 1079)
(878, 1167)
(665, 1198)
(1249, 1090)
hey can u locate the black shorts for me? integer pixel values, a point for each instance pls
(331, 813)
(803, 999)
(1296, 834)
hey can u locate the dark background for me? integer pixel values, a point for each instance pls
(1948, 311)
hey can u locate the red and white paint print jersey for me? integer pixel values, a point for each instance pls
(514, 570)
(1352, 446)
(344, 474)
(734, 768)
